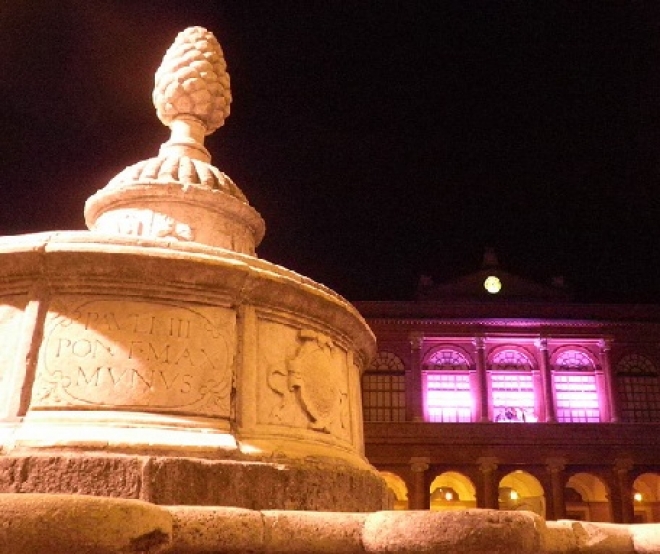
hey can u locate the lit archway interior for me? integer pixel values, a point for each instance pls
(646, 491)
(398, 488)
(520, 490)
(452, 491)
(587, 498)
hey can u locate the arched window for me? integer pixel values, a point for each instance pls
(446, 381)
(638, 386)
(512, 393)
(384, 390)
(575, 387)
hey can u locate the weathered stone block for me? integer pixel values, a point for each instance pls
(469, 531)
(602, 538)
(257, 486)
(71, 474)
(646, 538)
(11, 474)
(559, 538)
(63, 524)
(289, 532)
(199, 529)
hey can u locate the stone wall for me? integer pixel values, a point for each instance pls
(35, 523)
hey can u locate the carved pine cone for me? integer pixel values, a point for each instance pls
(193, 80)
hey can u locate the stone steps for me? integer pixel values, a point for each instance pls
(54, 524)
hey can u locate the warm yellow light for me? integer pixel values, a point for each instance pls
(449, 496)
(637, 496)
(492, 284)
(513, 495)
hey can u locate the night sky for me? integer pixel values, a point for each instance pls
(378, 140)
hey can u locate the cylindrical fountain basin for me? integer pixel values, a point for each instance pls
(193, 360)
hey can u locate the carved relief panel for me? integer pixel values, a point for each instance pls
(144, 223)
(124, 354)
(306, 380)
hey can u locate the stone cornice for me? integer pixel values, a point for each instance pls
(515, 314)
(524, 324)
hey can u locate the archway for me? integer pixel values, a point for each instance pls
(452, 491)
(586, 498)
(398, 488)
(520, 490)
(646, 490)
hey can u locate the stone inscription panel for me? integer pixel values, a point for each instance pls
(114, 354)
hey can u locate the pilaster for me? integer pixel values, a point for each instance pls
(414, 399)
(546, 379)
(482, 383)
(605, 346)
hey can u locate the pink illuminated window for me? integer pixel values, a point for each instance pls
(638, 385)
(575, 388)
(448, 395)
(383, 389)
(512, 393)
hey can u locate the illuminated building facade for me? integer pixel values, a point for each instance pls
(492, 391)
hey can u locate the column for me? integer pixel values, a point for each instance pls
(557, 502)
(419, 497)
(414, 404)
(546, 379)
(623, 508)
(490, 484)
(608, 380)
(481, 399)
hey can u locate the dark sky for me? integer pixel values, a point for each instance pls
(379, 140)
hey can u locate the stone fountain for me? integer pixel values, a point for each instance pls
(156, 357)
(163, 390)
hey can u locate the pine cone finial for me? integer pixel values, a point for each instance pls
(192, 81)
